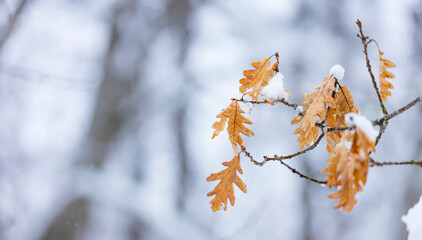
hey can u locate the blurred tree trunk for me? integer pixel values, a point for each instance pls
(119, 106)
(178, 13)
(116, 116)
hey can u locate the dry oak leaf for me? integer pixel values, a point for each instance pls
(233, 116)
(344, 104)
(225, 190)
(349, 167)
(332, 138)
(384, 84)
(258, 77)
(317, 110)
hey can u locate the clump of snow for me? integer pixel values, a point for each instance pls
(413, 220)
(299, 110)
(275, 90)
(337, 71)
(363, 124)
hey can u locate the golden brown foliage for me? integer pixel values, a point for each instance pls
(233, 115)
(224, 190)
(384, 84)
(335, 118)
(258, 77)
(325, 108)
(349, 167)
(317, 111)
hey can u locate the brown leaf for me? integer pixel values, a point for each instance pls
(233, 115)
(225, 190)
(349, 167)
(317, 111)
(335, 118)
(384, 84)
(258, 77)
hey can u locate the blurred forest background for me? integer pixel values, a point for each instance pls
(106, 110)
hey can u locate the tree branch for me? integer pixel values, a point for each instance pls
(365, 43)
(303, 175)
(325, 129)
(292, 105)
(374, 163)
(247, 154)
(280, 158)
(397, 112)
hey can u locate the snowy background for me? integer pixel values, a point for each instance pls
(106, 110)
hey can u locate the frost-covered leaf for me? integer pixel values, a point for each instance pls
(348, 168)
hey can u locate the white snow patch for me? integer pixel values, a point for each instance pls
(275, 89)
(363, 124)
(347, 144)
(413, 220)
(337, 71)
(299, 110)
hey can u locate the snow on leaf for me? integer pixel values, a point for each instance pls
(384, 84)
(275, 90)
(258, 77)
(225, 190)
(337, 71)
(363, 124)
(348, 168)
(233, 116)
(317, 110)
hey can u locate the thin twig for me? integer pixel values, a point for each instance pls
(326, 129)
(292, 105)
(276, 158)
(365, 43)
(339, 129)
(399, 111)
(285, 164)
(303, 175)
(280, 158)
(374, 163)
(382, 130)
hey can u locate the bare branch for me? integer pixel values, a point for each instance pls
(285, 164)
(277, 158)
(292, 105)
(303, 175)
(365, 43)
(374, 163)
(397, 112)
